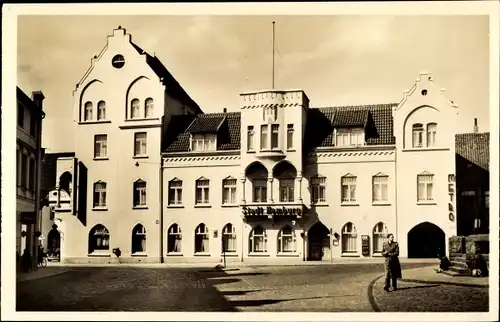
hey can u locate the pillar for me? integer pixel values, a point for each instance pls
(298, 189)
(270, 189)
(243, 181)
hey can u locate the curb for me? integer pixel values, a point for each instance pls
(410, 280)
(371, 298)
(41, 276)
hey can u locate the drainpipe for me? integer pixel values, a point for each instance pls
(396, 196)
(161, 209)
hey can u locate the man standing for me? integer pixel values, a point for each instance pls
(392, 266)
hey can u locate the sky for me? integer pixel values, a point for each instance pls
(336, 60)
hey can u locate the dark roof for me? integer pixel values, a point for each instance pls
(206, 124)
(474, 147)
(49, 171)
(377, 120)
(173, 87)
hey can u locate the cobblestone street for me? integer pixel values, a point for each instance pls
(321, 288)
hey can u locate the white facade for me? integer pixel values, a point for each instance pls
(184, 187)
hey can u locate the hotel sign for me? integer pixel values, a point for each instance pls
(28, 218)
(272, 211)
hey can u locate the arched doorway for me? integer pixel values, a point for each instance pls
(426, 240)
(54, 243)
(318, 242)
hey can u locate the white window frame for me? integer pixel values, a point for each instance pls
(289, 136)
(140, 188)
(350, 182)
(252, 239)
(425, 180)
(88, 111)
(101, 194)
(203, 142)
(100, 146)
(349, 239)
(431, 134)
(105, 239)
(380, 182)
(318, 189)
(288, 236)
(229, 191)
(135, 109)
(417, 135)
(275, 136)
(139, 234)
(349, 137)
(202, 190)
(287, 189)
(229, 234)
(140, 144)
(175, 190)
(204, 235)
(261, 185)
(264, 137)
(176, 237)
(250, 138)
(148, 108)
(379, 235)
(101, 111)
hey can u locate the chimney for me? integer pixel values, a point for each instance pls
(37, 97)
(475, 125)
(224, 110)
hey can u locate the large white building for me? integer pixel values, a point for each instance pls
(155, 177)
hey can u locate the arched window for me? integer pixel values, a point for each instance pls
(174, 239)
(431, 134)
(149, 104)
(101, 110)
(98, 239)
(140, 193)
(258, 240)
(135, 107)
(418, 135)
(138, 239)
(87, 113)
(349, 239)
(229, 239)
(201, 239)
(287, 242)
(379, 234)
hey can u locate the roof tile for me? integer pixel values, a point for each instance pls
(474, 147)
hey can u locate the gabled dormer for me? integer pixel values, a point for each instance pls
(352, 126)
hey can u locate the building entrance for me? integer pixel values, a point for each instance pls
(426, 240)
(318, 241)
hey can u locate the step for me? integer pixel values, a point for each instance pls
(459, 270)
(459, 264)
(455, 255)
(453, 273)
(458, 259)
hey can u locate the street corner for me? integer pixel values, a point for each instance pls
(427, 296)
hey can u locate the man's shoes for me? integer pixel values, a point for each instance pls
(394, 289)
(386, 288)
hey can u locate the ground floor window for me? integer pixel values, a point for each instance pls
(98, 238)
(286, 240)
(138, 239)
(229, 239)
(379, 234)
(349, 238)
(258, 240)
(174, 239)
(201, 239)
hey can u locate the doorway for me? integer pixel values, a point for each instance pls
(426, 240)
(318, 242)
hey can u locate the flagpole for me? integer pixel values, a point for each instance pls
(273, 54)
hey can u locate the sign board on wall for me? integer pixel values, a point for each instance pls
(28, 217)
(365, 245)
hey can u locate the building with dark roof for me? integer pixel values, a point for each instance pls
(277, 179)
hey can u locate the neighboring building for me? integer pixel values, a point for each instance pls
(473, 182)
(157, 178)
(28, 155)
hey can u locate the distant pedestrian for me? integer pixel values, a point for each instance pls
(392, 266)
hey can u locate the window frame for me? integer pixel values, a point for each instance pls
(256, 184)
(174, 191)
(140, 143)
(101, 140)
(352, 234)
(202, 186)
(250, 138)
(289, 136)
(381, 185)
(286, 185)
(231, 188)
(252, 249)
(426, 184)
(88, 111)
(204, 235)
(101, 107)
(417, 134)
(280, 240)
(140, 196)
(318, 186)
(344, 137)
(350, 191)
(139, 235)
(174, 236)
(135, 106)
(208, 142)
(149, 106)
(102, 195)
(229, 233)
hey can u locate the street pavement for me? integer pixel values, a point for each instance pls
(315, 288)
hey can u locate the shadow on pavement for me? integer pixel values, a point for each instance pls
(236, 293)
(419, 286)
(215, 274)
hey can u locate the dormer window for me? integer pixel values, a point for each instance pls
(350, 137)
(418, 135)
(203, 142)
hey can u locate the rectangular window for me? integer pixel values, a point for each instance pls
(431, 134)
(289, 137)
(175, 192)
(418, 133)
(33, 126)
(275, 129)
(32, 180)
(101, 146)
(101, 110)
(202, 191)
(263, 137)
(424, 187)
(259, 190)
(229, 191)
(349, 137)
(250, 134)
(380, 188)
(140, 193)
(20, 115)
(24, 171)
(318, 189)
(348, 189)
(99, 194)
(140, 144)
(203, 142)
(286, 190)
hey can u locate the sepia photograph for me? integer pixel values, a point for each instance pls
(330, 160)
